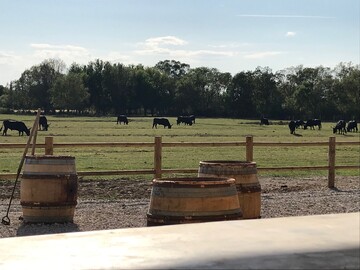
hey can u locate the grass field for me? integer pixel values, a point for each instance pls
(105, 129)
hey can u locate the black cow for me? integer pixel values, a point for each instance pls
(122, 118)
(264, 121)
(15, 125)
(187, 120)
(292, 126)
(43, 124)
(340, 127)
(161, 121)
(299, 123)
(312, 123)
(192, 118)
(352, 126)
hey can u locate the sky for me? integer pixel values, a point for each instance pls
(229, 35)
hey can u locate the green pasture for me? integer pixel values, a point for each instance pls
(139, 129)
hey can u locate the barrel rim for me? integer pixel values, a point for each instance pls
(52, 205)
(49, 157)
(49, 176)
(227, 162)
(194, 181)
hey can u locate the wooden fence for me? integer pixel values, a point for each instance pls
(157, 171)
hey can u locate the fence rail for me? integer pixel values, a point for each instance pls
(157, 171)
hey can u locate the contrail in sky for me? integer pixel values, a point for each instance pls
(284, 16)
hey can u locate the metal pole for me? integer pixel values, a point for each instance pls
(6, 220)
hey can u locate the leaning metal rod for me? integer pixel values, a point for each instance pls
(36, 125)
(6, 220)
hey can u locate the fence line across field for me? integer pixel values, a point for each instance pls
(157, 171)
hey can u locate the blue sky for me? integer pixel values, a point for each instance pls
(230, 35)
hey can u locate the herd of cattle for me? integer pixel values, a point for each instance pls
(341, 126)
(21, 127)
(187, 120)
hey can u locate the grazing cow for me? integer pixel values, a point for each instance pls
(264, 121)
(192, 118)
(312, 123)
(43, 124)
(292, 126)
(187, 120)
(122, 118)
(352, 126)
(299, 123)
(161, 121)
(15, 125)
(340, 127)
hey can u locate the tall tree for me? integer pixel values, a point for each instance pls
(116, 81)
(173, 68)
(267, 98)
(69, 93)
(240, 95)
(346, 94)
(33, 87)
(100, 98)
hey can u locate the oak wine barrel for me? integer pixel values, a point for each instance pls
(247, 183)
(192, 200)
(48, 189)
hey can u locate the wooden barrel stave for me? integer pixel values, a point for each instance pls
(191, 200)
(247, 184)
(48, 191)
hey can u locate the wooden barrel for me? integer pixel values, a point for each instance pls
(48, 189)
(247, 184)
(192, 200)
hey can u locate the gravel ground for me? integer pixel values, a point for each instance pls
(123, 203)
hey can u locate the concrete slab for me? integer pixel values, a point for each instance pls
(307, 242)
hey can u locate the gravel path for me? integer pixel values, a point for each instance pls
(123, 203)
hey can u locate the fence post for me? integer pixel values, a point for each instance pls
(331, 173)
(49, 145)
(249, 148)
(157, 157)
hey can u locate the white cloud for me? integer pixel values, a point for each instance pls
(230, 45)
(68, 53)
(260, 55)
(116, 57)
(167, 40)
(8, 58)
(290, 34)
(160, 46)
(13, 64)
(148, 52)
(44, 46)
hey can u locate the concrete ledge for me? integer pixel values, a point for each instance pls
(308, 242)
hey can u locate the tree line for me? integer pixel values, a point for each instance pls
(172, 88)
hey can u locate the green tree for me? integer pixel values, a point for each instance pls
(32, 90)
(304, 91)
(202, 92)
(114, 83)
(173, 68)
(239, 97)
(346, 93)
(69, 93)
(5, 98)
(266, 97)
(100, 98)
